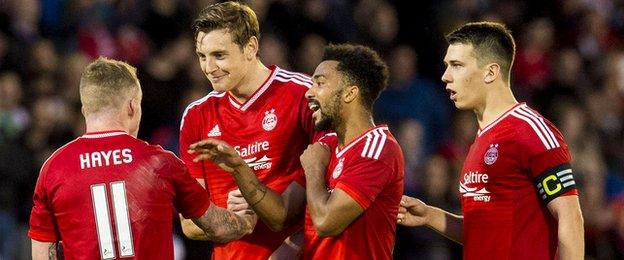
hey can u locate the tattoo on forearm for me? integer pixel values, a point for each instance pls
(52, 251)
(258, 188)
(222, 226)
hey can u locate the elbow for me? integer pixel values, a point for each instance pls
(276, 227)
(327, 230)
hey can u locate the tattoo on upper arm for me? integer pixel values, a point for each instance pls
(52, 251)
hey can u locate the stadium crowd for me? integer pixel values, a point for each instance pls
(569, 65)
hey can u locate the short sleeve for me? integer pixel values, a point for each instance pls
(190, 198)
(364, 180)
(548, 162)
(42, 224)
(190, 132)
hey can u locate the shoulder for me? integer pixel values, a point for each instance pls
(533, 130)
(61, 154)
(294, 80)
(377, 144)
(197, 105)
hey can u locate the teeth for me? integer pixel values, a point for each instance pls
(313, 107)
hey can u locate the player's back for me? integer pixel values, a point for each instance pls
(112, 196)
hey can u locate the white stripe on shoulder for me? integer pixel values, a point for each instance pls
(535, 128)
(295, 74)
(542, 127)
(371, 150)
(368, 141)
(381, 144)
(547, 129)
(295, 80)
(212, 94)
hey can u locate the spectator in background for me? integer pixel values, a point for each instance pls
(412, 97)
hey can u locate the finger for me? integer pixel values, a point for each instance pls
(402, 210)
(235, 193)
(202, 157)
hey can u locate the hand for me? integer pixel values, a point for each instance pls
(217, 151)
(237, 203)
(412, 212)
(315, 158)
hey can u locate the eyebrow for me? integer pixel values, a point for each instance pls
(316, 77)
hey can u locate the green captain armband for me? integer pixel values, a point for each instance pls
(554, 182)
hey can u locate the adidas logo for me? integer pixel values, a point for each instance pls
(215, 131)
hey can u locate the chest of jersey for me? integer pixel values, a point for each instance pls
(492, 173)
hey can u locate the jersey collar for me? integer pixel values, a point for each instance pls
(244, 106)
(102, 134)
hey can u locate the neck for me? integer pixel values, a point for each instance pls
(96, 123)
(251, 82)
(354, 125)
(498, 101)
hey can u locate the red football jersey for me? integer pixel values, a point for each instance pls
(270, 131)
(369, 169)
(516, 165)
(108, 195)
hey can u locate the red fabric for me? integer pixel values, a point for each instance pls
(376, 183)
(155, 182)
(270, 131)
(504, 216)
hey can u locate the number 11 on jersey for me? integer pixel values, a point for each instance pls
(103, 220)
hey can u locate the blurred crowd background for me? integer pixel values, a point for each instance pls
(569, 66)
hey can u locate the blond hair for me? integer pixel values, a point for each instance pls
(106, 84)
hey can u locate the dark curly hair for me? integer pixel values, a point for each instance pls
(362, 67)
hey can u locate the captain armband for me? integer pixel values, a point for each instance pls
(555, 182)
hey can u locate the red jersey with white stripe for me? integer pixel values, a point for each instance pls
(369, 169)
(108, 195)
(515, 167)
(270, 131)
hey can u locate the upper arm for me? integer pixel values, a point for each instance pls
(190, 199)
(190, 132)
(42, 225)
(342, 210)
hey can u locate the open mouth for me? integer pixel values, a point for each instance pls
(315, 107)
(452, 93)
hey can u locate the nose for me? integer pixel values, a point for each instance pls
(310, 93)
(446, 77)
(209, 66)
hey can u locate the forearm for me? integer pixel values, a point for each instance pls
(445, 223)
(571, 237)
(266, 203)
(317, 197)
(192, 231)
(221, 225)
(43, 250)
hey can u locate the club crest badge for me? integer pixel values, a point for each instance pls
(338, 170)
(491, 154)
(270, 120)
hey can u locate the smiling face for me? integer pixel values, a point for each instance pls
(324, 97)
(223, 62)
(463, 77)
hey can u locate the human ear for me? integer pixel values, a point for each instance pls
(492, 72)
(350, 93)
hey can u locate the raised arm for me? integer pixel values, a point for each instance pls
(275, 210)
(414, 213)
(567, 211)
